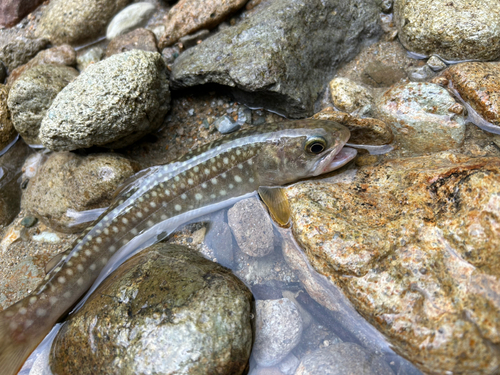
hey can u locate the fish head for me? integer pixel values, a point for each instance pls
(301, 149)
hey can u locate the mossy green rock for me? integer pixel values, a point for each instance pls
(167, 310)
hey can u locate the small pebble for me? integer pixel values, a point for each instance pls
(436, 64)
(129, 18)
(226, 124)
(29, 221)
(47, 237)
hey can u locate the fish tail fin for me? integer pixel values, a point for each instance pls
(15, 347)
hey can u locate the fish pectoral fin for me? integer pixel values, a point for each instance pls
(276, 201)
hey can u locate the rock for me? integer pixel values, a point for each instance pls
(67, 181)
(141, 39)
(7, 131)
(363, 130)
(61, 55)
(259, 59)
(478, 84)
(278, 330)
(188, 16)
(76, 21)
(422, 117)
(288, 365)
(421, 73)
(191, 40)
(112, 103)
(129, 18)
(3, 72)
(226, 124)
(436, 64)
(348, 96)
(417, 254)
(10, 176)
(165, 311)
(458, 30)
(378, 74)
(340, 359)
(16, 48)
(251, 227)
(12, 11)
(89, 56)
(220, 239)
(33, 93)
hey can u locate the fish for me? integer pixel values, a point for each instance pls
(157, 200)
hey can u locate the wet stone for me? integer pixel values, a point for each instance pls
(89, 56)
(129, 18)
(194, 39)
(251, 227)
(457, 30)
(188, 16)
(351, 97)
(422, 117)
(165, 311)
(378, 74)
(29, 221)
(226, 124)
(17, 48)
(259, 60)
(436, 64)
(478, 83)
(7, 131)
(141, 39)
(220, 239)
(76, 21)
(340, 359)
(12, 11)
(67, 181)
(33, 93)
(278, 330)
(112, 103)
(416, 255)
(60, 55)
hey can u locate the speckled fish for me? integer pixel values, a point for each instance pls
(159, 199)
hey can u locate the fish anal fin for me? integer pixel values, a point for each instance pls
(276, 201)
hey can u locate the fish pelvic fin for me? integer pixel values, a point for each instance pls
(276, 201)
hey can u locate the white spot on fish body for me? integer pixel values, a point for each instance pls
(164, 217)
(92, 267)
(225, 160)
(150, 223)
(33, 300)
(204, 185)
(125, 221)
(190, 181)
(67, 294)
(231, 186)
(213, 181)
(23, 310)
(133, 231)
(79, 281)
(152, 204)
(88, 253)
(240, 166)
(237, 179)
(112, 249)
(98, 240)
(196, 169)
(41, 312)
(222, 192)
(177, 178)
(61, 279)
(53, 300)
(178, 207)
(183, 196)
(80, 268)
(251, 180)
(223, 175)
(69, 272)
(198, 196)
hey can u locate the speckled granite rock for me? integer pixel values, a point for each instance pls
(165, 311)
(341, 359)
(281, 57)
(454, 30)
(76, 21)
(61, 55)
(415, 245)
(188, 16)
(351, 97)
(17, 47)
(67, 181)
(32, 94)
(7, 131)
(423, 117)
(251, 227)
(112, 103)
(278, 330)
(478, 83)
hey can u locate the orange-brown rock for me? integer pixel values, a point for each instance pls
(415, 245)
(188, 16)
(138, 39)
(478, 83)
(363, 130)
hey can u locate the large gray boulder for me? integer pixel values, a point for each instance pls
(112, 104)
(280, 58)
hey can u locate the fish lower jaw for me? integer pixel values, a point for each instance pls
(344, 156)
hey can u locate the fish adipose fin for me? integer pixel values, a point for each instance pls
(276, 201)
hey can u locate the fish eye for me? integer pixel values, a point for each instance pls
(315, 145)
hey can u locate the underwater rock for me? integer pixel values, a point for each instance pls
(280, 57)
(167, 310)
(68, 181)
(17, 47)
(129, 18)
(351, 97)
(414, 243)
(7, 131)
(423, 117)
(142, 39)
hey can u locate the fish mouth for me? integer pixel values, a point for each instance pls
(335, 160)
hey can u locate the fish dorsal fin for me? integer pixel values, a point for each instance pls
(276, 201)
